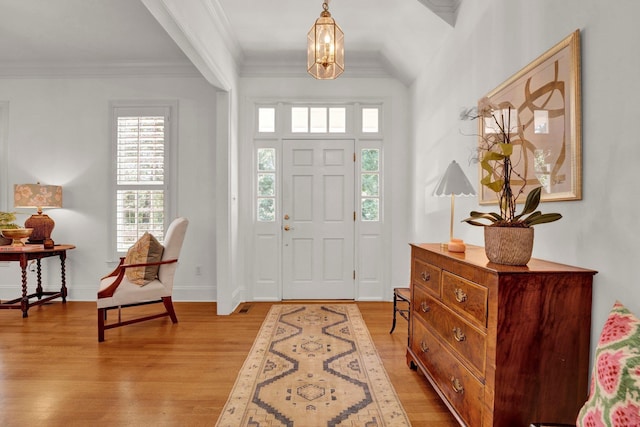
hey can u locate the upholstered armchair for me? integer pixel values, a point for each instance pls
(125, 287)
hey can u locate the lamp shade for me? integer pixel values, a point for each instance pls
(37, 196)
(454, 182)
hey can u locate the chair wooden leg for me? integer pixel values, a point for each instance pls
(395, 310)
(168, 304)
(401, 296)
(102, 316)
(102, 313)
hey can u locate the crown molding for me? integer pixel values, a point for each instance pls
(294, 64)
(89, 70)
(225, 29)
(280, 64)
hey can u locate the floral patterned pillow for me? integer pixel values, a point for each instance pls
(614, 397)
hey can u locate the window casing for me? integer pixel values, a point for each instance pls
(142, 178)
(279, 122)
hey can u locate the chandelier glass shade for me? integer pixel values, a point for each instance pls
(325, 47)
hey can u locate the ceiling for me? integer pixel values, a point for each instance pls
(44, 37)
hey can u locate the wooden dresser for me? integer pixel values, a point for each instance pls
(502, 345)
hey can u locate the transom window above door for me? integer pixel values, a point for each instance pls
(318, 120)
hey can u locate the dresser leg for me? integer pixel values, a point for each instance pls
(410, 362)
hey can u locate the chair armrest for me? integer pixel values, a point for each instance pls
(115, 270)
(168, 261)
(120, 270)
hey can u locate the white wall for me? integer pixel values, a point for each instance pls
(491, 41)
(58, 133)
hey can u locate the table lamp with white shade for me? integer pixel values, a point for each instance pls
(454, 183)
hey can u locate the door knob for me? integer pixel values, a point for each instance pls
(287, 228)
(286, 216)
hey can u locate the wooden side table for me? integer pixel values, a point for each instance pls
(24, 255)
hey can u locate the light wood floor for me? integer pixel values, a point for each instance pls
(53, 372)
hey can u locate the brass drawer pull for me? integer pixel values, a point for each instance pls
(424, 307)
(457, 385)
(424, 347)
(459, 335)
(425, 276)
(461, 296)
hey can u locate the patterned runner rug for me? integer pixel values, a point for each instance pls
(313, 365)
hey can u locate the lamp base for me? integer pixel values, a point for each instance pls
(456, 245)
(42, 227)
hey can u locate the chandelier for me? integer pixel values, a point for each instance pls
(325, 47)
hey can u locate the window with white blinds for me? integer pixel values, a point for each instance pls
(141, 173)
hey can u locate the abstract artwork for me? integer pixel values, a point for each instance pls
(543, 105)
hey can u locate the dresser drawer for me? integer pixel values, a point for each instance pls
(465, 297)
(426, 275)
(467, 341)
(463, 390)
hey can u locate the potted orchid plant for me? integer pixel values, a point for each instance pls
(508, 233)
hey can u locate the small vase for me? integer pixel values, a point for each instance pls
(508, 245)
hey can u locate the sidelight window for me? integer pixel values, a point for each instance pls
(266, 184)
(370, 184)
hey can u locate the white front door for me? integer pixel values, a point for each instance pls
(318, 219)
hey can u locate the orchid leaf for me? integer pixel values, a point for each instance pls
(476, 214)
(532, 202)
(489, 216)
(542, 218)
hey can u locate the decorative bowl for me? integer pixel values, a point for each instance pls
(17, 234)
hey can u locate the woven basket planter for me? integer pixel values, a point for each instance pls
(508, 245)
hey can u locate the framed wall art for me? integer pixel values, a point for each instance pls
(542, 102)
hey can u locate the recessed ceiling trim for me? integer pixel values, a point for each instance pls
(445, 9)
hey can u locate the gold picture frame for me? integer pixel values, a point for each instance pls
(547, 139)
